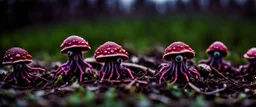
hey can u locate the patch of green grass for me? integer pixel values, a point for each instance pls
(43, 42)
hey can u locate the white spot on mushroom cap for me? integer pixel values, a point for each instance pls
(17, 55)
(110, 49)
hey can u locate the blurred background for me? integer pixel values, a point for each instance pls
(40, 26)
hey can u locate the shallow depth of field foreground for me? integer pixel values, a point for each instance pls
(128, 53)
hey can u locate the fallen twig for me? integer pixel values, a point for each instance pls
(130, 84)
(92, 60)
(207, 93)
(194, 87)
(41, 78)
(226, 78)
(216, 91)
(138, 66)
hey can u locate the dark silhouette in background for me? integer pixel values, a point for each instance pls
(18, 13)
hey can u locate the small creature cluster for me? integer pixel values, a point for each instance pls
(178, 54)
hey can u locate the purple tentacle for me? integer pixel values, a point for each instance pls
(176, 76)
(64, 68)
(118, 75)
(104, 70)
(242, 68)
(10, 74)
(34, 69)
(129, 71)
(24, 77)
(185, 75)
(161, 70)
(185, 69)
(58, 71)
(211, 61)
(112, 71)
(89, 65)
(197, 74)
(170, 66)
(183, 72)
(15, 75)
(218, 63)
(69, 66)
(27, 74)
(81, 71)
(85, 63)
(160, 79)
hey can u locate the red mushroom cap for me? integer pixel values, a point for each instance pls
(178, 48)
(110, 49)
(74, 42)
(16, 55)
(217, 46)
(250, 54)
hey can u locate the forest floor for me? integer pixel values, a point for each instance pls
(212, 89)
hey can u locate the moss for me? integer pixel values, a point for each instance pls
(43, 42)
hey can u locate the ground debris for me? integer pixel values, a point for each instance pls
(212, 89)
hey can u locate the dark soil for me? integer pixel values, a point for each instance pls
(214, 88)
